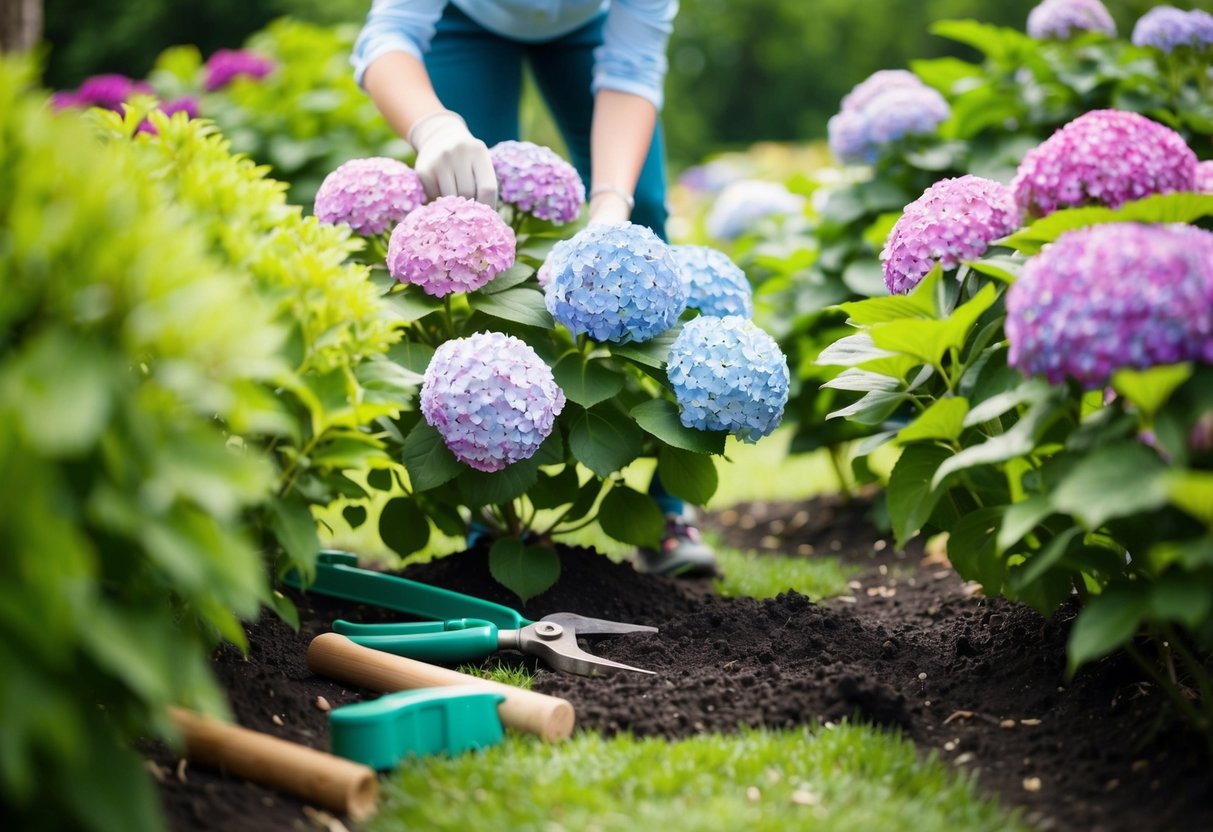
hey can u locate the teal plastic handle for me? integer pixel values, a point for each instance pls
(338, 575)
(462, 645)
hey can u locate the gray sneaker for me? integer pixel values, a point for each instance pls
(683, 552)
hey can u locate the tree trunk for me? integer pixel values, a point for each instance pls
(20, 25)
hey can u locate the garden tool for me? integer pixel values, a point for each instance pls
(486, 627)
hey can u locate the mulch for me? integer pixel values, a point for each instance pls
(979, 682)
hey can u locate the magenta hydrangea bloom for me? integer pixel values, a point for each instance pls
(1104, 157)
(1204, 177)
(491, 398)
(1167, 28)
(536, 181)
(1063, 19)
(954, 220)
(109, 91)
(1113, 296)
(450, 245)
(226, 65)
(369, 195)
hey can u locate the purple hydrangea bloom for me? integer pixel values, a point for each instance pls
(727, 374)
(877, 84)
(369, 195)
(1104, 157)
(225, 65)
(536, 181)
(450, 245)
(716, 286)
(1204, 177)
(616, 282)
(110, 91)
(1202, 28)
(187, 105)
(1167, 28)
(858, 134)
(1062, 19)
(491, 398)
(744, 203)
(953, 220)
(1113, 296)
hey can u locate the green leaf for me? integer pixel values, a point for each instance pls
(410, 304)
(872, 409)
(1033, 390)
(911, 498)
(862, 381)
(631, 517)
(1020, 518)
(294, 527)
(1052, 554)
(660, 418)
(354, 516)
(1020, 440)
(526, 571)
(865, 277)
(427, 459)
(403, 527)
(508, 279)
(604, 440)
(1149, 389)
(687, 475)
(651, 353)
(521, 304)
(1117, 480)
(1175, 596)
(972, 549)
(930, 341)
(1107, 622)
(411, 355)
(480, 488)
(584, 503)
(852, 351)
(348, 451)
(919, 305)
(552, 490)
(1184, 207)
(1192, 491)
(944, 419)
(587, 382)
(1004, 267)
(381, 479)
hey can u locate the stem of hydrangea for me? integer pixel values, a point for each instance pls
(1194, 668)
(1177, 697)
(448, 316)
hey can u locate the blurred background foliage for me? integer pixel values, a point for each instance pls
(740, 71)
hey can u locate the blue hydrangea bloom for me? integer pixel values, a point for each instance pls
(745, 203)
(491, 398)
(1167, 28)
(716, 285)
(617, 283)
(727, 374)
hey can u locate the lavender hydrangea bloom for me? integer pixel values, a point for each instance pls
(876, 84)
(716, 286)
(727, 374)
(450, 245)
(743, 204)
(1104, 157)
(1063, 19)
(1202, 28)
(616, 282)
(953, 220)
(226, 65)
(1204, 177)
(1167, 28)
(536, 181)
(369, 195)
(1113, 296)
(858, 134)
(491, 398)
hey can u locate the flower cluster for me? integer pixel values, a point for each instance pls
(452, 244)
(187, 105)
(1063, 19)
(491, 398)
(1103, 157)
(716, 286)
(1204, 177)
(109, 91)
(886, 106)
(743, 204)
(226, 65)
(536, 181)
(727, 374)
(616, 282)
(1113, 296)
(1167, 28)
(712, 176)
(954, 220)
(369, 195)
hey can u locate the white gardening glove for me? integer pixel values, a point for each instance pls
(450, 160)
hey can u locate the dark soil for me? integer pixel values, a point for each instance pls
(978, 681)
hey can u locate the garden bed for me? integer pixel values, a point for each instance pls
(979, 682)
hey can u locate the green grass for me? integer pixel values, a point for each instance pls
(841, 779)
(519, 677)
(754, 575)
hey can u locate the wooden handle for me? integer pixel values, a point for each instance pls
(335, 656)
(316, 776)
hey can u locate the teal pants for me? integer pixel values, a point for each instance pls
(478, 74)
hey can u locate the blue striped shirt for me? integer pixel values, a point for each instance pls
(632, 57)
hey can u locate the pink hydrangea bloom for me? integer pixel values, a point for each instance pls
(491, 398)
(226, 65)
(450, 245)
(536, 181)
(954, 220)
(1104, 157)
(1062, 19)
(1204, 177)
(369, 195)
(1113, 296)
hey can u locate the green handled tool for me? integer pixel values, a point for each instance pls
(466, 628)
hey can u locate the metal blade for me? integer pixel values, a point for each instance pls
(557, 645)
(584, 626)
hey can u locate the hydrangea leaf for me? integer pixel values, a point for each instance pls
(480, 488)
(508, 279)
(660, 418)
(1117, 480)
(427, 459)
(911, 496)
(403, 526)
(411, 305)
(586, 381)
(930, 341)
(294, 527)
(411, 355)
(864, 277)
(1176, 597)
(631, 517)
(944, 419)
(1020, 440)
(1192, 491)
(553, 490)
(525, 570)
(1021, 518)
(972, 550)
(354, 516)
(520, 304)
(873, 408)
(1106, 622)
(604, 439)
(1149, 389)
(651, 353)
(688, 475)
(919, 304)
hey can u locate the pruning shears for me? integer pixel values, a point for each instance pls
(462, 627)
